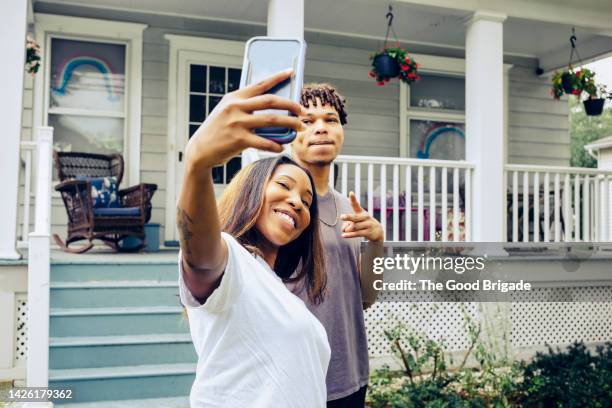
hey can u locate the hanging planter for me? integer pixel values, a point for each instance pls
(579, 82)
(385, 66)
(567, 80)
(32, 62)
(573, 83)
(393, 62)
(594, 106)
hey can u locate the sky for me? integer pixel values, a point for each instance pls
(603, 71)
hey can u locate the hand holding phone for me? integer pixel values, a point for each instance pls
(228, 130)
(265, 56)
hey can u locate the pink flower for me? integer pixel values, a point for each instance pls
(404, 67)
(380, 83)
(407, 60)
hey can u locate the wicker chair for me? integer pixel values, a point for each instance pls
(88, 223)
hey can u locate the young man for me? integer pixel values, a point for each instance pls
(344, 224)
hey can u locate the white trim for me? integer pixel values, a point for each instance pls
(570, 13)
(183, 49)
(98, 30)
(85, 112)
(405, 41)
(602, 143)
(485, 15)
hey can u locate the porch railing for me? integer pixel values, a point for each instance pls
(414, 199)
(557, 204)
(28, 149)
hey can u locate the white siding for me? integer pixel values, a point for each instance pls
(538, 125)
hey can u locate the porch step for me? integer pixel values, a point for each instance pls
(126, 293)
(115, 351)
(126, 382)
(176, 402)
(118, 333)
(110, 321)
(114, 271)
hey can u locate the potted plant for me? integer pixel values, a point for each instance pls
(581, 82)
(594, 104)
(394, 62)
(32, 63)
(572, 82)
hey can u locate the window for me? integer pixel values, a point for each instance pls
(87, 95)
(207, 85)
(435, 115)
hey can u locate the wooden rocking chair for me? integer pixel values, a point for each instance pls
(111, 225)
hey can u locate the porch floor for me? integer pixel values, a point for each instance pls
(105, 255)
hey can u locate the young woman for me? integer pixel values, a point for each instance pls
(257, 343)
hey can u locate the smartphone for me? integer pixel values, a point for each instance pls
(265, 56)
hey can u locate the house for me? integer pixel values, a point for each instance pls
(457, 156)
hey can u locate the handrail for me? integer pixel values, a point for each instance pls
(405, 161)
(556, 169)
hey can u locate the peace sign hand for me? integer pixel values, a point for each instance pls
(361, 223)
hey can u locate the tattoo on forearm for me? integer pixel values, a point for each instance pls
(183, 222)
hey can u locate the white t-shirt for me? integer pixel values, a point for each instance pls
(257, 343)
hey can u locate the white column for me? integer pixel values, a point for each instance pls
(12, 49)
(37, 364)
(484, 116)
(285, 19)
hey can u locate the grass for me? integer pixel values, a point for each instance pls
(4, 387)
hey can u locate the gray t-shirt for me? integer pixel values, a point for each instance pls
(341, 312)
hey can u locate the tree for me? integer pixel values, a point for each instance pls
(584, 130)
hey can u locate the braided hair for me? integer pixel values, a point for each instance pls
(327, 94)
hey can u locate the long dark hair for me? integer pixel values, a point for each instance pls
(239, 208)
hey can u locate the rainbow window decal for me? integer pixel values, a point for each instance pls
(68, 68)
(87, 75)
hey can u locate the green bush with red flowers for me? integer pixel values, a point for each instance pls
(574, 83)
(408, 67)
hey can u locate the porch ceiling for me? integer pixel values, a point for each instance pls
(537, 28)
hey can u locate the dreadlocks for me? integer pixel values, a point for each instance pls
(327, 94)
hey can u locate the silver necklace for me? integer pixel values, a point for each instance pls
(336, 211)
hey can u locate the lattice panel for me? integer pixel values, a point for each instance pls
(562, 322)
(21, 329)
(528, 323)
(437, 320)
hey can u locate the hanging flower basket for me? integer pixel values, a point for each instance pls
(394, 63)
(573, 83)
(594, 106)
(32, 62)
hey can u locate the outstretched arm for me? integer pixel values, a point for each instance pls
(226, 132)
